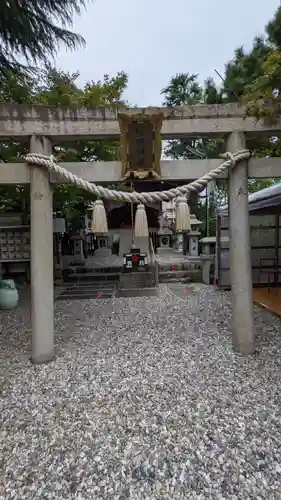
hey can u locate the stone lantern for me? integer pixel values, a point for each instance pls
(193, 237)
(164, 235)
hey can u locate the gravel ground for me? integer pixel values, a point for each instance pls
(145, 400)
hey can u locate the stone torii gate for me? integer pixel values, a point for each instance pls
(43, 125)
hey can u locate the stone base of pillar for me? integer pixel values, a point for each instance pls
(42, 359)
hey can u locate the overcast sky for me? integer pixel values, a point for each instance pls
(152, 40)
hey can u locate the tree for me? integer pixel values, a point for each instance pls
(273, 30)
(213, 94)
(258, 65)
(28, 28)
(184, 89)
(252, 76)
(262, 97)
(243, 69)
(262, 93)
(60, 88)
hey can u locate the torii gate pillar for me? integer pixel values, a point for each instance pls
(240, 251)
(42, 280)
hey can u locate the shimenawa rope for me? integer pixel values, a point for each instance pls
(48, 162)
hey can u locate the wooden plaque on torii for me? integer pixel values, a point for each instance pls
(140, 144)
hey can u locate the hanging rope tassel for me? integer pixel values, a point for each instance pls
(182, 215)
(141, 225)
(99, 219)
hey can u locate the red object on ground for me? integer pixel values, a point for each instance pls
(99, 294)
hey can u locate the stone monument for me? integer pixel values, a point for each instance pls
(193, 237)
(164, 235)
(103, 249)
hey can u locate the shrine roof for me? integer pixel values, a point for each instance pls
(265, 198)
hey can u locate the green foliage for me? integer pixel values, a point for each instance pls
(60, 88)
(107, 93)
(262, 92)
(243, 69)
(249, 77)
(185, 90)
(34, 29)
(17, 86)
(262, 97)
(57, 88)
(273, 30)
(255, 185)
(212, 94)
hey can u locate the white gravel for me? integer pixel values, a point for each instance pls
(145, 400)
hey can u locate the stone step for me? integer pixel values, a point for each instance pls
(179, 266)
(83, 293)
(175, 274)
(90, 286)
(92, 277)
(85, 296)
(137, 292)
(87, 270)
(175, 280)
(183, 276)
(180, 281)
(89, 293)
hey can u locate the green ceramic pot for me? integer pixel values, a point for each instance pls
(9, 296)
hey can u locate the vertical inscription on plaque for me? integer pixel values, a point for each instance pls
(141, 145)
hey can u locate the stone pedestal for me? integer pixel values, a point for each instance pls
(180, 243)
(78, 254)
(165, 236)
(59, 225)
(193, 240)
(102, 242)
(207, 258)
